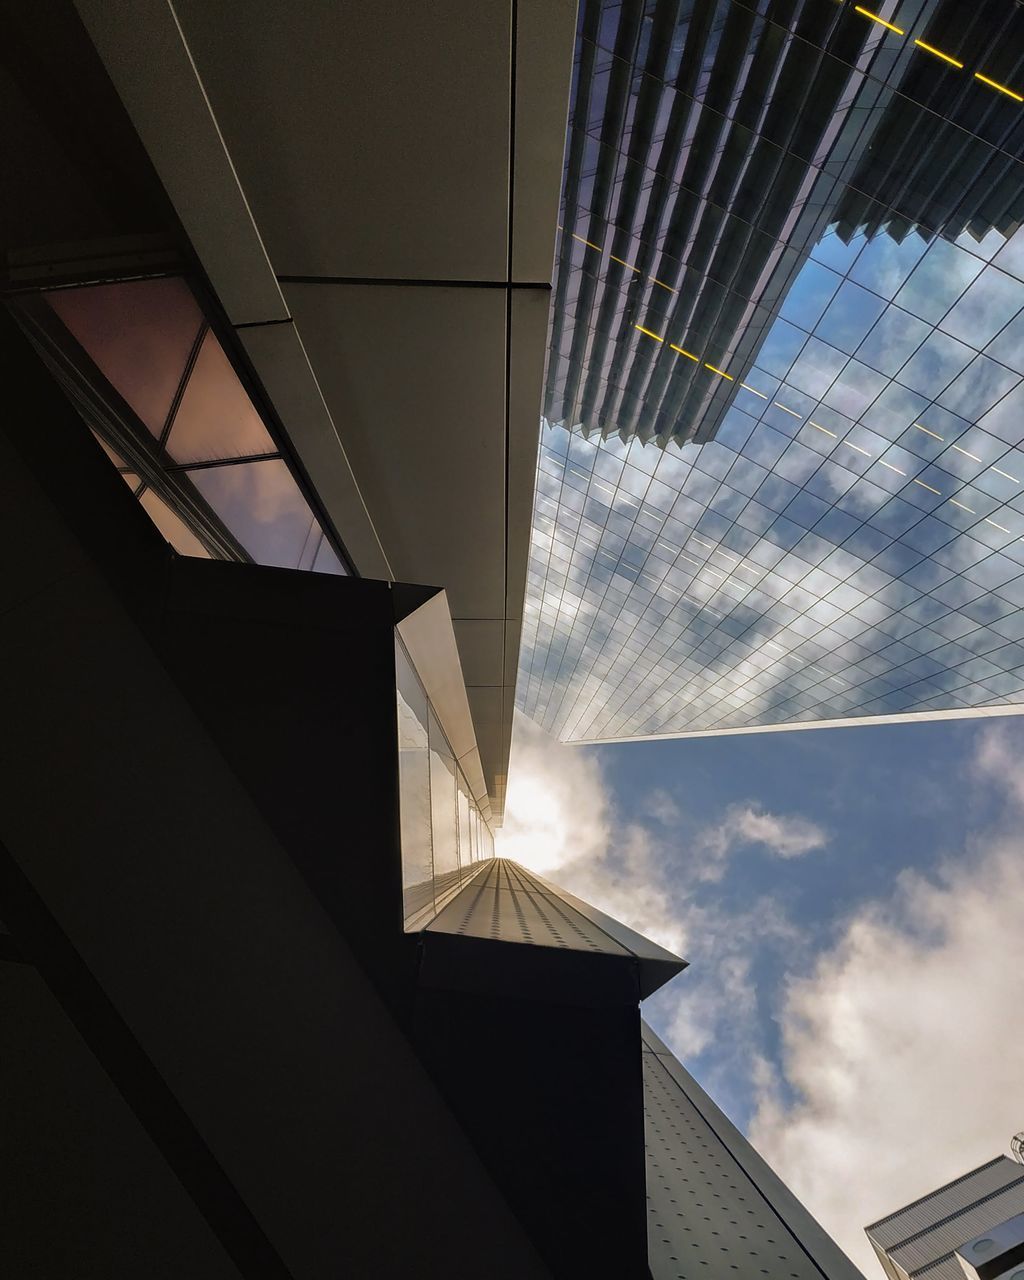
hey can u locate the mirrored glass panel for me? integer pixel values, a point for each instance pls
(215, 418)
(414, 787)
(264, 508)
(149, 374)
(140, 334)
(782, 456)
(443, 805)
(444, 836)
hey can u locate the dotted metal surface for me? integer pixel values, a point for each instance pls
(506, 903)
(705, 1217)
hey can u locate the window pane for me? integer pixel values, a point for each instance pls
(139, 335)
(326, 561)
(465, 846)
(262, 506)
(443, 807)
(216, 418)
(414, 787)
(114, 457)
(171, 525)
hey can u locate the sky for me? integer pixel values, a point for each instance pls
(851, 903)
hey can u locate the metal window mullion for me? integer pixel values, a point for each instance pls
(183, 382)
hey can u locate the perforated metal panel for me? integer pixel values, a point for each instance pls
(706, 1219)
(507, 903)
(714, 1208)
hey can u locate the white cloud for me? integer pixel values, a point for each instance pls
(558, 822)
(903, 1045)
(662, 806)
(786, 836)
(900, 1047)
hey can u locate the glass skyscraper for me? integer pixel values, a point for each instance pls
(782, 485)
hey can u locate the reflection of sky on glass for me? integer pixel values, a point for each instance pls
(149, 340)
(850, 544)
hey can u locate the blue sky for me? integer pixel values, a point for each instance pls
(887, 798)
(850, 903)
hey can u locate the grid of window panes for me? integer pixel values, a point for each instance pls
(444, 836)
(851, 543)
(160, 394)
(709, 148)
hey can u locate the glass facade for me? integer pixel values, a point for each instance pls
(152, 380)
(834, 528)
(443, 833)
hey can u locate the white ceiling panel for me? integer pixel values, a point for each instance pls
(372, 140)
(486, 706)
(414, 378)
(481, 644)
(526, 376)
(545, 37)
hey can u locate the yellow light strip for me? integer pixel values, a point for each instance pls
(994, 84)
(939, 54)
(648, 333)
(818, 427)
(756, 393)
(927, 432)
(721, 372)
(928, 487)
(792, 412)
(623, 263)
(689, 354)
(662, 285)
(973, 456)
(589, 243)
(881, 21)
